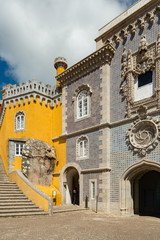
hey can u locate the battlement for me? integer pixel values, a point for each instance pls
(28, 87)
(36, 90)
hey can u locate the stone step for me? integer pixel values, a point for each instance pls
(4, 183)
(12, 200)
(22, 214)
(4, 191)
(15, 200)
(10, 192)
(11, 195)
(8, 188)
(13, 207)
(21, 210)
(13, 203)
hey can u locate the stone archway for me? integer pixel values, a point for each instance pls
(130, 185)
(71, 178)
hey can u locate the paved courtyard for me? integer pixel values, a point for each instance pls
(82, 225)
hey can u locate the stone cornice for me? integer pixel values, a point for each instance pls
(17, 139)
(95, 170)
(92, 128)
(88, 64)
(103, 125)
(90, 170)
(120, 28)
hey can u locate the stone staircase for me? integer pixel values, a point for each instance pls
(12, 200)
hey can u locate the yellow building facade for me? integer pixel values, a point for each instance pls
(32, 110)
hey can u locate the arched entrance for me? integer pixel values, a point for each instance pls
(140, 189)
(71, 185)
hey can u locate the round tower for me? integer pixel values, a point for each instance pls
(60, 64)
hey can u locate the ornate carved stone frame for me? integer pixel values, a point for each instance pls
(147, 58)
(74, 100)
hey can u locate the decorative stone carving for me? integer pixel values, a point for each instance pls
(140, 23)
(38, 160)
(143, 44)
(146, 59)
(81, 88)
(100, 57)
(144, 133)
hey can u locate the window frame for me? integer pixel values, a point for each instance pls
(19, 147)
(84, 111)
(19, 121)
(93, 197)
(140, 92)
(82, 146)
(77, 92)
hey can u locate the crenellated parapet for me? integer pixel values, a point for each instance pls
(29, 86)
(31, 89)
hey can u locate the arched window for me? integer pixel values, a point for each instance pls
(82, 147)
(82, 104)
(20, 121)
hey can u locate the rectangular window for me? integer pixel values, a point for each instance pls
(93, 189)
(83, 148)
(145, 79)
(144, 86)
(20, 122)
(18, 149)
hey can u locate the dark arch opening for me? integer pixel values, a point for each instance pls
(148, 194)
(72, 186)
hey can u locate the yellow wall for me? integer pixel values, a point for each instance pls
(17, 163)
(49, 191)
(38, 125)
(60, 69)
(41, 122)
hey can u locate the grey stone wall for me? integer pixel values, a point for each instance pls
(93, 80)
(122, 157)
(93, 160)
(118, 107)
(86, 178)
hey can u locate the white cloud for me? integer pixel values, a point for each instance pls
(34, 32)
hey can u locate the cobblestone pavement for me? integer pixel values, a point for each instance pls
(83, 225)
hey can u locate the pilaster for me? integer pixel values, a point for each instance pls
(64, 110)
(104, 139)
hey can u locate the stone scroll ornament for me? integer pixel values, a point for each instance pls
(38, 160)
(143, 135)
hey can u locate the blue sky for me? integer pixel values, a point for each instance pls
(34, 33)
